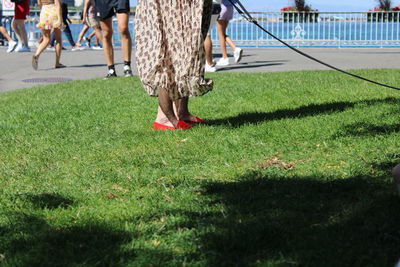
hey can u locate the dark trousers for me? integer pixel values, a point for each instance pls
(67, 32)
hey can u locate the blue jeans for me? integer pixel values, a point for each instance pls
(67, 32)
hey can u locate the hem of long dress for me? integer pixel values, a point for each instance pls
(191, 88)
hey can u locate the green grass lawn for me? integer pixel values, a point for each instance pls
(292, 169)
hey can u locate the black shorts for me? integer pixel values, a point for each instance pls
(1, 17)
(108, 8)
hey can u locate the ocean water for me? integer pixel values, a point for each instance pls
(247, 33)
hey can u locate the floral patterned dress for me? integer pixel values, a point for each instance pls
(49, 17)
(169, 46)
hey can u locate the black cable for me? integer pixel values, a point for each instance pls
(242, 11)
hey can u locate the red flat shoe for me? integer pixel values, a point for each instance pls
(196, 120)
(183, 125)
(162, 127)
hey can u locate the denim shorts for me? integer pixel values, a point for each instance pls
(226, 13)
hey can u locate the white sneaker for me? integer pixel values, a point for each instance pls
(11, 46)
(237, 54)
(51, 48)
(77, 47)
(21, 49)
(223, 62)
(127, 71)
(97, 47)
(210, 68)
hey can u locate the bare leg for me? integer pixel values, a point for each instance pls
(4, 32)
(46, 40)
(182, 110)
(57, 33)
(96, 32)
(230, 42)
(221, 28)
(126, 41)
(42, 46)
(208, 50)
(166, 107)
(106, 26)
(85, 28)
(18, 26)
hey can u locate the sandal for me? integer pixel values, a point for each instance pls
(35, 62)
(195, 120)
(60, 66)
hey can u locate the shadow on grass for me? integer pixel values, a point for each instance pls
(300, 112)
(366, 129)
(29, 240)
(303, 221)
(48, 201)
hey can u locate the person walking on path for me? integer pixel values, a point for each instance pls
(11, 43)
(170, 56)
(222, 24)
(21, 10)
(50, 19)
(66, 30)
(106, 9)
(90, 19)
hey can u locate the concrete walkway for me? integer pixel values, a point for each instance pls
(16, 70)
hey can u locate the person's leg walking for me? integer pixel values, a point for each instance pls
(97, 33)
(126, 41)
(15, 27)
(19, 28)
(221, 28)
(52, 39)
(42, 46)
(106, 26)
(78, 45)
(68, 33)
(57, 33)
(11, 43)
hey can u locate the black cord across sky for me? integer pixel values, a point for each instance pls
(242, 11)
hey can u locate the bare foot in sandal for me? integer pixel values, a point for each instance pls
(35, 62)
(59, 66)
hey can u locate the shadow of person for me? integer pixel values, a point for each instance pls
(252, 65)
(299, 112)
(264, 220)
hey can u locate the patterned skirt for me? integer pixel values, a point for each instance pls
(48, 18)
(169, 46)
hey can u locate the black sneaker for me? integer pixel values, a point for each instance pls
(111, 74)
(127, 71)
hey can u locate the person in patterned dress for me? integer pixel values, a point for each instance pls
(170, 56)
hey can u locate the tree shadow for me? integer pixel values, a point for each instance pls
(31, 241)
(299, 112)
(28, 239)
(366, 129)
(301, 221)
